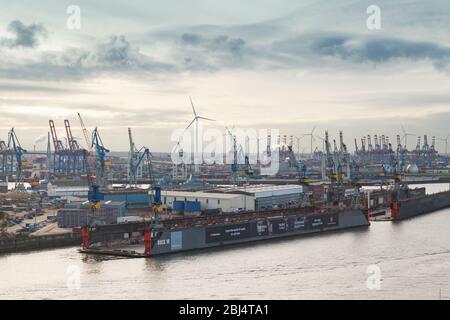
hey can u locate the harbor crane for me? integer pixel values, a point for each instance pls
(94, 197)
(301, 168)
(76, 163)
(60, 152)
(85, 133)
(14, 145)
(6, 153)
(136, 161)
(100, 153)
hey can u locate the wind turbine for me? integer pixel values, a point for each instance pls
(405, 137)
(446, 143)
(196, 118)
(312, 137)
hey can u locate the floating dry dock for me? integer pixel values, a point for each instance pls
(191, 233)
(408, 203)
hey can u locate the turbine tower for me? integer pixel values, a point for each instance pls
(405, 137)
(311, 135)
(446, 143)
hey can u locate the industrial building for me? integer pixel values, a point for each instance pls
(209, 200)
(269, 196)
(60, 191)
(231, 199)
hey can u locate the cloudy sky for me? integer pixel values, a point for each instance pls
(286, 64)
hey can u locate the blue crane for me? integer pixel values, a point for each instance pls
(60, 160)
(76, 161)
(94, 193)
(18, 151)
(142, 154)
(100, 153)
(5, 152)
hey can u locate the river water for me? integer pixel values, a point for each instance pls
(403, 260)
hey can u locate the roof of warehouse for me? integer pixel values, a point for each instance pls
(262, 188)
(200, 194)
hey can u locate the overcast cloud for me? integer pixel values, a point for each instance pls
(298, 64)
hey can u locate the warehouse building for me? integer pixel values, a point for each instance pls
(208, 200)
(232, 198)
(268, 196)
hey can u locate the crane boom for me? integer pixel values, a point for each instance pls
(85, 133)
(69, 135)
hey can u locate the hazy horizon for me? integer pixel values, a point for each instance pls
(288, 65)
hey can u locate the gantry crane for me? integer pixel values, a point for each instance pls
(60, 153)
(76, 160)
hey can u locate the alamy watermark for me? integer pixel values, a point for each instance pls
(73, 281)
(237, 146)
(74, 20)
(373, 22)
(373, 281)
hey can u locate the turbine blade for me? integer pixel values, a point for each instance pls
(205, 118)
(190, 124)
(192, 104)
(319, 138)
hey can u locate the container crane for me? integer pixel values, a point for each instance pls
(59, 158)
(76, 163)
(14, 145)
(301, 168)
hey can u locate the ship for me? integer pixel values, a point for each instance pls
(408, 203)
(192, 233)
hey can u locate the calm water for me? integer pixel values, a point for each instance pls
(413, 257)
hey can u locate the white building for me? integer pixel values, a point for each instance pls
(67, 191)
(268, 196)
(232, 198)
(210, 200)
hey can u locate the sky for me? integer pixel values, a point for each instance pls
(290, 65)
